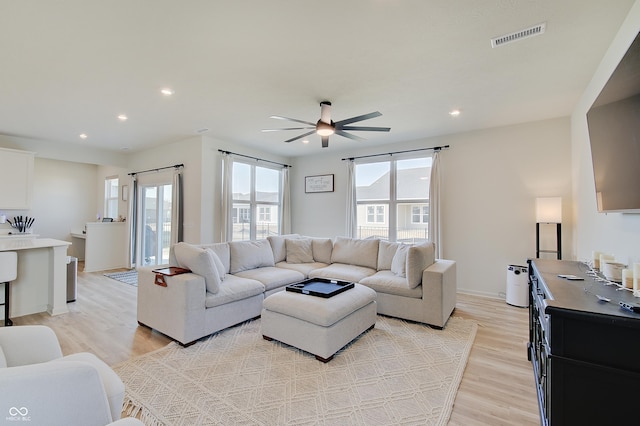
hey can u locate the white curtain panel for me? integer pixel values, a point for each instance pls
(351, 227)
(434, 204)
(227, 179)
(285, 203)
(177, 208)
(132, 218)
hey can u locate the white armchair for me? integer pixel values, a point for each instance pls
(39, 385)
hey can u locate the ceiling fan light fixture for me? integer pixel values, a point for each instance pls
(324, 129)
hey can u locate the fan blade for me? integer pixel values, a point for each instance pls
(325, 141)
(367, 129)
(349, 135)
(277, 117)
(358, 118)
(301, 136)
(287, 128)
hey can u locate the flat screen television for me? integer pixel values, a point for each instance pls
(614, 133)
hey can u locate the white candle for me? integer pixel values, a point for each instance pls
(636, 279)
(627, 278)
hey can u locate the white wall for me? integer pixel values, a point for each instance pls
(614, 233)
(490, 181)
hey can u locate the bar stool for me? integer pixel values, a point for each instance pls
(8, 273)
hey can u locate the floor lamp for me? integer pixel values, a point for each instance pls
(549, 210)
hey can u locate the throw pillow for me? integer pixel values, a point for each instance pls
(219, 266)
(299, 250)
(200, 262)
(247, 255)
(278, 246)
(399, 261)
(386, 251)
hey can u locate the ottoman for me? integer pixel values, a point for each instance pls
(318, 325)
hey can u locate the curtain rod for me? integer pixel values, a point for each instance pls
(253, 158)
(435, 148)
(158, 169)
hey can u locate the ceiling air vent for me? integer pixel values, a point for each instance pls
(519, 35)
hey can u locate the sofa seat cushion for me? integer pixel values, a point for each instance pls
(343, 272)
(234, 288)
(272, 277)
(318, 310)
(303, 268)
(389, 283)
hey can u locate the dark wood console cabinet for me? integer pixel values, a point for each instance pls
(585, 352)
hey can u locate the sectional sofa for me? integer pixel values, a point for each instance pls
(229, 281)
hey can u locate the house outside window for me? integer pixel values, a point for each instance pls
(392, 197)
(111, 196)
(375, 214)
(420, 214)
(256, 201)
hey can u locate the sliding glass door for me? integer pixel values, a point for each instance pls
(155, 224)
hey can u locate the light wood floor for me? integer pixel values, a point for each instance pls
(497, 387)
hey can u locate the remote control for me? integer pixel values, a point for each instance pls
(630, 307)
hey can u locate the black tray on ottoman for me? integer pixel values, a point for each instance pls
(320, 287)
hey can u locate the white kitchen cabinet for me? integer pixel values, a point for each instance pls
(16, 179)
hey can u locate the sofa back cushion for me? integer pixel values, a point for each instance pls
(419, 258)
(278, 246)
(222, 251)
(322, 248)
(353, 251)
(200, 261)
(299, 250)
(386, 251)
(247, 255)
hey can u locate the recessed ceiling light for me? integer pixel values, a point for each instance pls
(123, 117)
(454, 113)
(83, 136)
(305, 141)
(167, 92)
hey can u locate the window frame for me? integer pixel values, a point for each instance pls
(109, 199)
(253, 204)
(393, 202)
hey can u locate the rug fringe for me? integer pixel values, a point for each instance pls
(131, 408)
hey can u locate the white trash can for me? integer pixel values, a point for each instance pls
(518, 286)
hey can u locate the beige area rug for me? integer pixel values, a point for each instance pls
(397, 373)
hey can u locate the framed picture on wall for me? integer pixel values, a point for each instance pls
(318, 183)
(125, 192)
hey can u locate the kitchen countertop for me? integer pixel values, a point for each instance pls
(22, 243)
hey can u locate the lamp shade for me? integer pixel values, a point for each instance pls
(549, 210)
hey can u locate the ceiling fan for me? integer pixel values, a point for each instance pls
(326, 127)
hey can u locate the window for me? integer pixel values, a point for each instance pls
(264, 214)
(420, 214)
(256, 201)
(393, 199)
(111, 194)
(375, 214)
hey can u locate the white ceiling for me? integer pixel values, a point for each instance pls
(71, 66)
